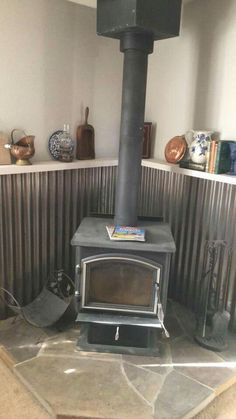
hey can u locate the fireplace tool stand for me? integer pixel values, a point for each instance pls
(212, 317)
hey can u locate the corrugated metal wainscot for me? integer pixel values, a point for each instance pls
(39, 213)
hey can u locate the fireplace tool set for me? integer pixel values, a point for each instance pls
(212, 316)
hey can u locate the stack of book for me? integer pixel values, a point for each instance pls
(125, 233)
(217, 158)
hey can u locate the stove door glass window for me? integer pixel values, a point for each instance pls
(120, 283)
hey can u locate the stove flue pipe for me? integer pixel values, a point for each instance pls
(136, 47)
(137, 23)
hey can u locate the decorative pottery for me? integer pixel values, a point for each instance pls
(54, 144)
(61, 145)
(175, 149)
(23, 149)
(199, 145)
(66, 145)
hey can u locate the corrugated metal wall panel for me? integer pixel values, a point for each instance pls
(40, 212)
(197, 210)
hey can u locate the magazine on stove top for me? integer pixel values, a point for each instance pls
(125, 233)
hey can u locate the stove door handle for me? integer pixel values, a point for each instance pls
(77, 281)
(160, 312)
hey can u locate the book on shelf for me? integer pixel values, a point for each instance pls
(212, 156)
(222, 162)
(188, 164)
(218, 160)
(208, 153)
(125, 233)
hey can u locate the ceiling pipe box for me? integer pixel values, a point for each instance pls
(161, 18)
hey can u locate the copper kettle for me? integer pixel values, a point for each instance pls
(23, 149)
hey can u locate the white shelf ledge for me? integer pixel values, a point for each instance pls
(53, 165)
(168, 167)
(50, 166)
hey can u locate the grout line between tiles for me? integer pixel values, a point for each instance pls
(25, 361)
(196, 381)
(142, 367)
(130, 384)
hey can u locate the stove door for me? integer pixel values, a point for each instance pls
(120, 283)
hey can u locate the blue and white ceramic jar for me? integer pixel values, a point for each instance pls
(199, 145)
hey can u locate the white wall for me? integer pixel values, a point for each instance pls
(107, 96)
(46, 72)
(85, 51)
(53, 65)
(192, 80)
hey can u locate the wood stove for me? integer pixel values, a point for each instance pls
(122, 286)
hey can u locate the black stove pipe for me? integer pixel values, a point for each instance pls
(137, 23)
(136, 47)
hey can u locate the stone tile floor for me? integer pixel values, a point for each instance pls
(178, 383)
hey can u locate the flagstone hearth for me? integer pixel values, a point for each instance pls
(178, 383)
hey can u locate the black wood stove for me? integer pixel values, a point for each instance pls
(121, 287)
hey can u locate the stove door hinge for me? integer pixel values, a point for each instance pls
(77, 269)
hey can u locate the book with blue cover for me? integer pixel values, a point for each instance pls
(126, 233)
